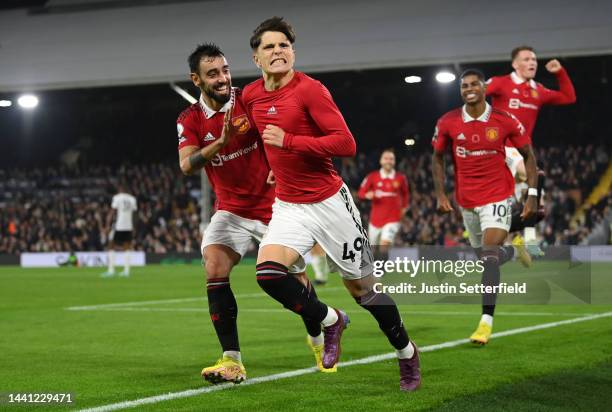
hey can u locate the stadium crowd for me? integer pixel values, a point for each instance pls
(68, 208)
(62, 209)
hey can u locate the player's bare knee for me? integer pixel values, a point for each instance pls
(217, 266)
(277, 253)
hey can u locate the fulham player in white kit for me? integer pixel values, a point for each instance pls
(124, 205)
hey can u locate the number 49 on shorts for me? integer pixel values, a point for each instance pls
(349, 253)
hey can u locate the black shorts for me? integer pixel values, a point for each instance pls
(122, 236)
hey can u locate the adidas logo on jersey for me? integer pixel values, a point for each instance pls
(271, 110)
(209, 137)
(461, 137)
(515, 91)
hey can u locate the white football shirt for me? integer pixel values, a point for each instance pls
(125, 204)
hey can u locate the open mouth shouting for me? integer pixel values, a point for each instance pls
(278, 61)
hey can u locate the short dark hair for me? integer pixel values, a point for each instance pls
(389, 150)
(519, 49)
(203, 50)
(272, 24)
(473, 72)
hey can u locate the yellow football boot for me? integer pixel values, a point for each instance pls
(318, 354)
(225, 370)
(482, 334)
(522, 254)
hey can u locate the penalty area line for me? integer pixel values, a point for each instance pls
(290, 374)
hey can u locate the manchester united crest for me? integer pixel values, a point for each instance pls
(492, 133)
(534, 93)
(241, 123)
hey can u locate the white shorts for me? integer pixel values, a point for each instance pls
(334, 223)
(492, 215)
(386, 233)
(237, 232)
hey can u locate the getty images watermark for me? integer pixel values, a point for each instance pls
(451, 275)
(441, 268)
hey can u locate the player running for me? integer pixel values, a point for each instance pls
(121, 236)
(216, 134)
(477, 135)
(302, 130)
(388, 191)
(518, 93)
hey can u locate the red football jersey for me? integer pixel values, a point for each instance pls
(390, 196)
(239, 171)
(524, 98)
(481, 174)
(315, 131)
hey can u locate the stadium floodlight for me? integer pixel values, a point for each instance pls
(445, 77)
(409, 142)
(28, 101)
(6, 103)
(413, 79)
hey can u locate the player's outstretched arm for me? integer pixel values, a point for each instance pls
(437, 166)
(566, 93)
(193, 158)
(532, 180)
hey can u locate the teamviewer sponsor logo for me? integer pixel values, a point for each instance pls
(517, 103)
(463, 152)
(219, 159)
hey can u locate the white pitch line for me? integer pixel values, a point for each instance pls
(435, 313)
(306, 371)
(179, 300)
(128, 304)
(350, 312)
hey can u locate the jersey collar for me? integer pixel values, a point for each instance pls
(517, 80)
(483, 117)
(208, 112)
(385, 175)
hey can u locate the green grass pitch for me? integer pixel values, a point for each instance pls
(109, 354)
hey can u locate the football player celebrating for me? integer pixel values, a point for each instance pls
(477, 135)
(216, 134)
(518, 93)
(302, 130)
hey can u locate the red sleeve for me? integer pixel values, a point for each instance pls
(404, 192)
(365, 187)
(337, 139)
(566, 93)
(493, 86)
(517, 134)
(440, 140)
(187, 132)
